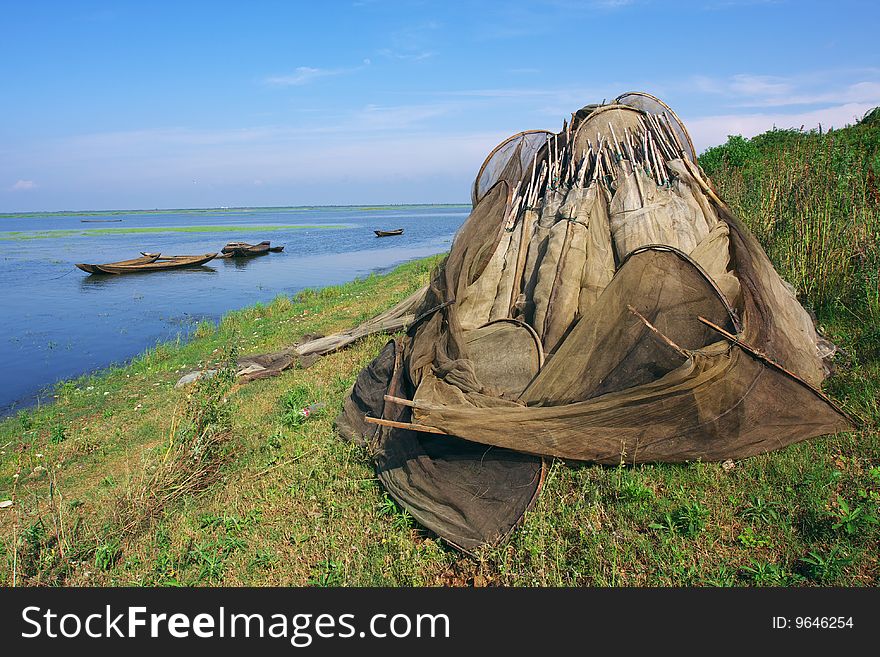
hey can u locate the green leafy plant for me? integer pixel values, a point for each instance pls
(106, 555)
(761, 510)
(688, 520)
(765, 573)
(748, 538)
(327, 573)
(852, 518)
(825, 567)
(57, 434)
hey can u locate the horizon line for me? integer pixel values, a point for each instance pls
(230, 207)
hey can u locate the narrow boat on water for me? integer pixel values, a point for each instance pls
(99, 221)
(388, 233)
(148, 263)
(145, 258)
(243, 249)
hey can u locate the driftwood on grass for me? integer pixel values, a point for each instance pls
(262, 366)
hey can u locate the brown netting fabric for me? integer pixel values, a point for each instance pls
(600, 303)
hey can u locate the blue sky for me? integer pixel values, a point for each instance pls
(109, 105)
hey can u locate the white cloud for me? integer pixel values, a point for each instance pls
(405, 56)
(23, 186)
(306, 74)
(859, 92)
(377, 117)
(759, 85)
(302, 75)
(713, 130)
(812, 88)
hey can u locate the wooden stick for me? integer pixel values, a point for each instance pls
(661, 162)
(586, 160)
(674, 135)
(534, 170)
(399, 400)
(650, 157)
(658, 132)
(680, 350)
(764, 358)
(616, 145)
(695, 172)
(542, 179)
(512, 208)
(599, 168)
(631, 137)
(607, 166)
(660, 129)
(403, 425)
(513, 214)
(633, 161)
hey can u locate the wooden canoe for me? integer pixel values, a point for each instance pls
(243, 249)
(388, 233)
(146, 258)
(159, 264)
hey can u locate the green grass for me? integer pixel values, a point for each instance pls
(282, 501)
(126, 480)
(93, 232)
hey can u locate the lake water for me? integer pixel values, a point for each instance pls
(59, 322)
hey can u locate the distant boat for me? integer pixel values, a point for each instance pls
(388, 233)
(148, 263)
(243, 249)
(98, 221)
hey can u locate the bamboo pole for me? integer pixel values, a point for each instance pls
(648, 156)
(661, 163)
(764, 358)
(674, 135)
(658, 133)
(399, 400)
(681, 351)
(403, 425)
(616, 145)
(586, 160)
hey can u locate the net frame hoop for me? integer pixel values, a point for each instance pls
(475, 197)
(600, 110)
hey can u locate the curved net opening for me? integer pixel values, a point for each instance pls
(509, 161)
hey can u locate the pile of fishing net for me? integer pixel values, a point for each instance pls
(601, 304)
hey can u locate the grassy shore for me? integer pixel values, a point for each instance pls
(125, 480)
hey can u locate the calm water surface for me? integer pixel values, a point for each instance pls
(59, 322)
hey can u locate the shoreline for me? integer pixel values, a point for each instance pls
(127, 481)
(50, 392)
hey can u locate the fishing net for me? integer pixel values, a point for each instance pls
(508, 161)
(600, 303)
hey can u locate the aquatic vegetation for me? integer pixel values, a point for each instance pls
(227, 228)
